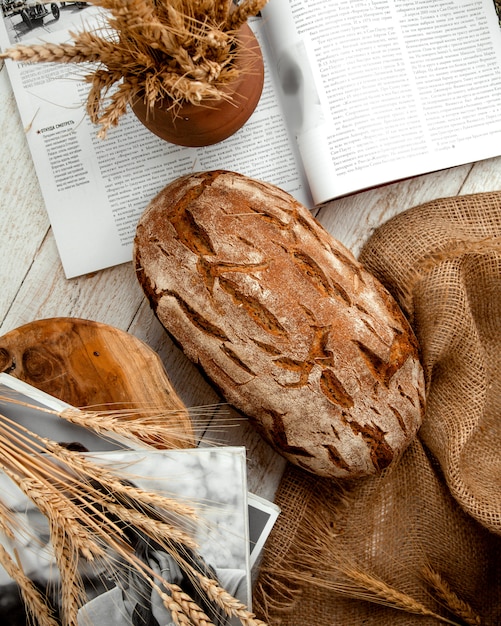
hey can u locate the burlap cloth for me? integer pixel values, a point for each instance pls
(425, 537)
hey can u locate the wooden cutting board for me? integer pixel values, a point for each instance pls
(91, 365)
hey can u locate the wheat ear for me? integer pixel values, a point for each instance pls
(115, 485)
(145, 429)
(443, 591)
(33, 599)
(373, 589)
(153, 426)
(101, 82)
(88, 44)
(50, 53)
(152, 527)
(181, 605)
(148, 426)
(359, 585)
(245, 10)
(230, 605)
(66, 553)
(215, 593)
(222, 10)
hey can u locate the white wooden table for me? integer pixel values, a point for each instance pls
(33, 285)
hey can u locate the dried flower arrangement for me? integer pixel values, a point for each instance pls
(97, 519)
(159, 50)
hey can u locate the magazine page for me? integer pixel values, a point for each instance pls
(212, 482)
(387, 89)
(96, 189)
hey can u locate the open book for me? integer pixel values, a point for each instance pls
(231, 527)
(357, 94)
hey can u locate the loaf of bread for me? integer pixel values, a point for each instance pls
(283, 320)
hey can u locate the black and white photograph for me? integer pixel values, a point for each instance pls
(28, 19)
(211, 481)
(497, 5)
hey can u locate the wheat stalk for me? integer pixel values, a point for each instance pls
(146, 500)
(152, 527)
(243, 11)
(227, 602)
(18, 444)
(35, 603)
(452, 601)
(174, 52)
(144, 424)
(368, 587)
(67, 559)
(353, 582)
(148, 426)
(181, 605)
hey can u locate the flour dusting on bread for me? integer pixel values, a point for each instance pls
(284, 321)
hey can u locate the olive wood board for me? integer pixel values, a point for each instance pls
(91, 365)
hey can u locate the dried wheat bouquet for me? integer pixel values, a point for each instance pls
(99, 521)
(161, 50)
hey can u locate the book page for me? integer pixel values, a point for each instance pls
(395, 88)
(95, 189)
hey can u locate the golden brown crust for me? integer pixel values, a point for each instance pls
(283, 319)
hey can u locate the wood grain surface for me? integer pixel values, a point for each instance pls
(93, 366)
(33, 285)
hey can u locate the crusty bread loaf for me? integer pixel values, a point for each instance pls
(283, 320)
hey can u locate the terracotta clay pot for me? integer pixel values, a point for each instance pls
(213, 120)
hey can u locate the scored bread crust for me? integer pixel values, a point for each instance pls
(284, 321)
